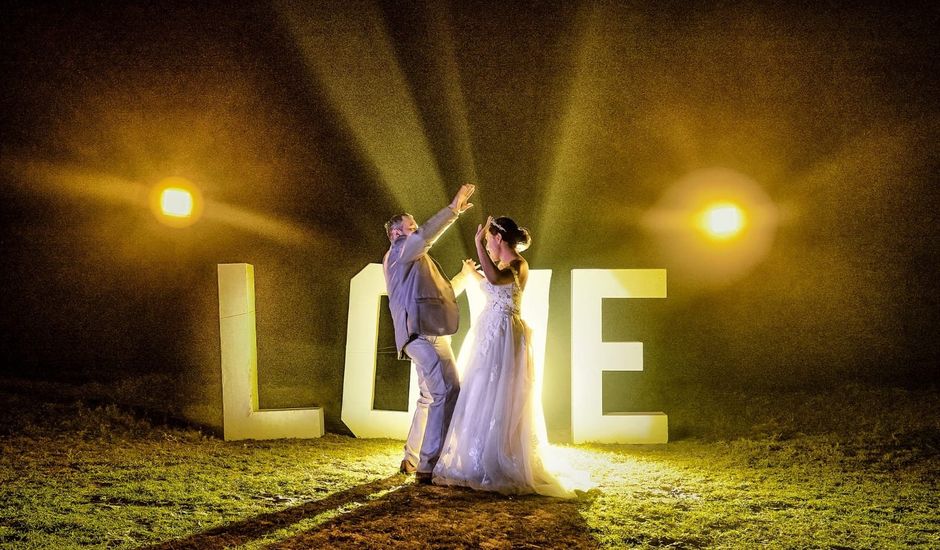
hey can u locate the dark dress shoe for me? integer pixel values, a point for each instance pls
(406, 468)
(424, 478)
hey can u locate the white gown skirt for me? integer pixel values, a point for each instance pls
(496, 440)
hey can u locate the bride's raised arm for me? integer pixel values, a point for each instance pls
(492, 272)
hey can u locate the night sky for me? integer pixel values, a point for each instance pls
(306, 125)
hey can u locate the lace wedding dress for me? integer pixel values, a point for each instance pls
(496, 440)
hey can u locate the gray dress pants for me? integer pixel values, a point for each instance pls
(439, 386)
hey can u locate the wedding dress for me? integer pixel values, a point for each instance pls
(496, 440)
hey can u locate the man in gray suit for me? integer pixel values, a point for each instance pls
(424, 314)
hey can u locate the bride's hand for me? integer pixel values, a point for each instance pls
(483, 229)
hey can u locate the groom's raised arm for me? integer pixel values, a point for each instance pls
(420, 241)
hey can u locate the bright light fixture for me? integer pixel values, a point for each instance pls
(722, 220)
(176, 202)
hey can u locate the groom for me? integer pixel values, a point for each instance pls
(424, 313)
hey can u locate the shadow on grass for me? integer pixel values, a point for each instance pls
(449, 517)
(387, 514)
(247, 530)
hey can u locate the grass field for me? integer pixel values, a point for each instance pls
(796, 470)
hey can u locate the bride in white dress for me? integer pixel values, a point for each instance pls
(496, 440)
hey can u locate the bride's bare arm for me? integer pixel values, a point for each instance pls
(491, 271)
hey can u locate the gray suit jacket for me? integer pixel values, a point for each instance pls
(420, 296)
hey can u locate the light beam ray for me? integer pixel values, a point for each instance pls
(569, 162)
(442, 31)
(347, 49)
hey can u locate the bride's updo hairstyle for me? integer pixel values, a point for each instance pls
(516, 237)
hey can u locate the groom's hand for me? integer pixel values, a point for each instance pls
(460, 205)
(469, 266)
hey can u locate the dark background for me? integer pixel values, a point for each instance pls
(315, 124)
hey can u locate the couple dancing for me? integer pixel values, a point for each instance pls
(489, 434)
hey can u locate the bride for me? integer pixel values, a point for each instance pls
(496, 440)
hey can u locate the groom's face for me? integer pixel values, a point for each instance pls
(408, 226)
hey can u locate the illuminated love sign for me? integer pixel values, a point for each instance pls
(590, 357)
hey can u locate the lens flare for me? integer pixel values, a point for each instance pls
(712, 227)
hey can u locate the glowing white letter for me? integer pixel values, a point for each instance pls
(242, 418)
(362, 332)
(590, 356)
